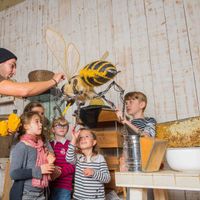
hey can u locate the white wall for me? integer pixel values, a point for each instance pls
(155, 43)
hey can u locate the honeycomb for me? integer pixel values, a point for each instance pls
(180, 133)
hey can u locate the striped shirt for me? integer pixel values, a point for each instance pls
(146, 124)
(64, 181)
(87, 188)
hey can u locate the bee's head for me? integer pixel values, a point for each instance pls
(73, 86)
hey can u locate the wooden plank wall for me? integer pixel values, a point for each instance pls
(155, 43)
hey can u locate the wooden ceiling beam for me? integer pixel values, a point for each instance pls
(4, 4)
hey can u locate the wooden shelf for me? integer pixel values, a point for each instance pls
(110, 142)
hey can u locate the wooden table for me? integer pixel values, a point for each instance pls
(138, 182)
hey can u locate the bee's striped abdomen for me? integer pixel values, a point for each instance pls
(98, 72)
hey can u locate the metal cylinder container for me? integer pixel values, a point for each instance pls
(132, 149)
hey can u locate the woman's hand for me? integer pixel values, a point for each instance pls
(88, 172)
(47, 168)
(58, 77)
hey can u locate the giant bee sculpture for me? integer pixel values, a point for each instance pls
(81, 82)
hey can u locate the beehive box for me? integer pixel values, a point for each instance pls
(180, 133)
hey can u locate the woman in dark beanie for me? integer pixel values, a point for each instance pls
(8, 70)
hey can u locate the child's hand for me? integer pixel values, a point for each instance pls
(47, 168)
(56, 173)
(120, 116)
(51, 158)
(75, 135)
(88, 172)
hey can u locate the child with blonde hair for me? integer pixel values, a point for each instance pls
(91, 169)
(61, 187)
(135, 104)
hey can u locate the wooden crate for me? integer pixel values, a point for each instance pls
(109, 139)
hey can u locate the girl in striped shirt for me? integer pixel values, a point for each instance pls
(91, 169)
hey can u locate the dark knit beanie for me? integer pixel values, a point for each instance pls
(6, 55)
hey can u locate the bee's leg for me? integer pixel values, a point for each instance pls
(57, 107)
(101, 94)
(109, 102)
(77, 112)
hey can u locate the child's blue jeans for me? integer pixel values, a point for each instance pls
(60, 194)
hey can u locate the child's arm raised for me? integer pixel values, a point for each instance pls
(149, 129)
(75, 135)
(124, 121)
(71, 154)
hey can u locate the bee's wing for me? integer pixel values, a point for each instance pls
(104, 56)
(73, 59)
(57, 45)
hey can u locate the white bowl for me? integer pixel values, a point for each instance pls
(184, 159)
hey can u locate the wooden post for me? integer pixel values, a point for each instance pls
(138, 194)
(7, 182)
